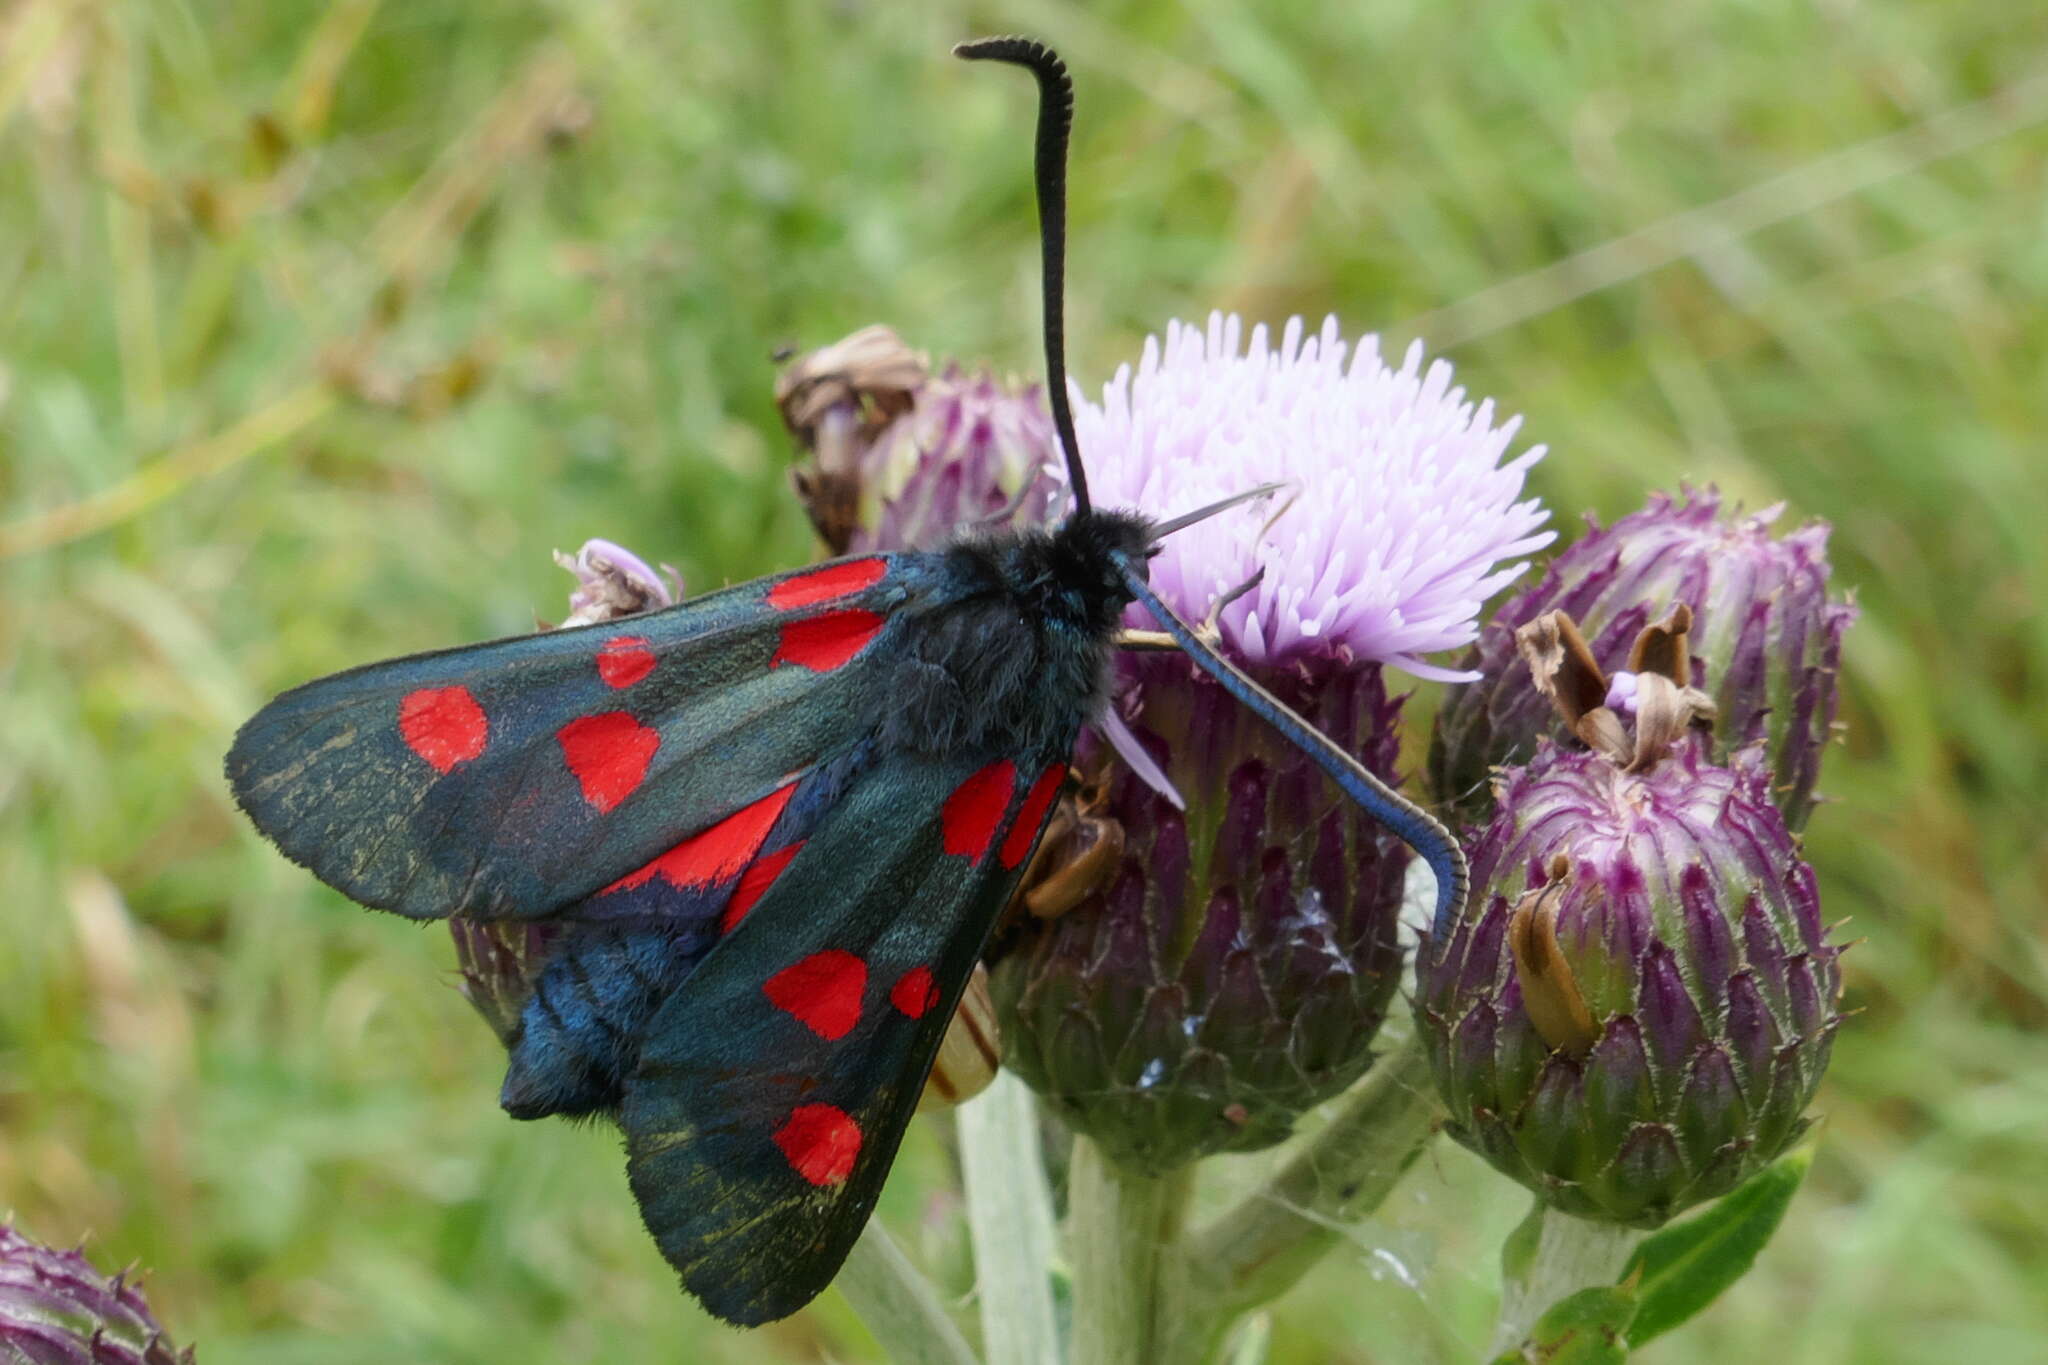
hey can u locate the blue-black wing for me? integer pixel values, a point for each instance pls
(771, 1092)
(525, 776)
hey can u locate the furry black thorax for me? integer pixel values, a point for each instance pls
(1009, 639)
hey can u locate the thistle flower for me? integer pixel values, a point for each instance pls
(55, 1309)
(1638, 1002)
(1399, 519)
(1766, 641)
(902, 458)
(1230, 967)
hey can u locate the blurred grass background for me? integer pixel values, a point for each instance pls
(322, 323)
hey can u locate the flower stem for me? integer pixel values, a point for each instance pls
(898, 1304)
(1256, 1251)
(1009, 1215)
(1564, 1255)
(1123, 1230)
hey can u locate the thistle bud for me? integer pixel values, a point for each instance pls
(1638, 1002)
(901, 458)
(1765, 641)
(55, 1309)
(1190, 981)
(612, 581)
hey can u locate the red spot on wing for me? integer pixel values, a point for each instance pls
(1024, 832)
(754, 884)
(443, 725)
(821, 1141)
(823, 992)
(823, 643)
(828, 584)
(969, 818)
(624, 660)
(915, 992)
(608, 753)
(716, 855)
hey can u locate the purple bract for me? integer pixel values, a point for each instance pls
(1766, 642)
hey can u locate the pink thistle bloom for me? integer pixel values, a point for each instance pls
(1400, 518)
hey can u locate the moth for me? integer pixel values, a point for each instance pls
(777, 822)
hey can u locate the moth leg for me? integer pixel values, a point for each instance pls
(1090, 849)
(1079, 853)
(1211, 624)
(1145, 641)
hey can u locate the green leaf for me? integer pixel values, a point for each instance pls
(1586, 1328)
(1687, 1266)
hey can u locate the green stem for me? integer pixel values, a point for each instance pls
(898, 1303)
(1009, 1216)
(1123, 1230)
(1564, 1255)
(1256, 1251)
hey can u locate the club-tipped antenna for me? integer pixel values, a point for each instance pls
(1055, 123)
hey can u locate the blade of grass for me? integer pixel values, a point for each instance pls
(130, 254)
(166, 476)
(1798, 191)
(308, 95)
(31, 37)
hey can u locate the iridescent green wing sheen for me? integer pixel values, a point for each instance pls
(519, 777)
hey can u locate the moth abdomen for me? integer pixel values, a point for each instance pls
(579, 1033)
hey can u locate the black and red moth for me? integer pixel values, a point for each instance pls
(777, 822)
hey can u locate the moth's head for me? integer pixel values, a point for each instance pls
(1095, 540)
(1094, 547)
(1085, 563)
